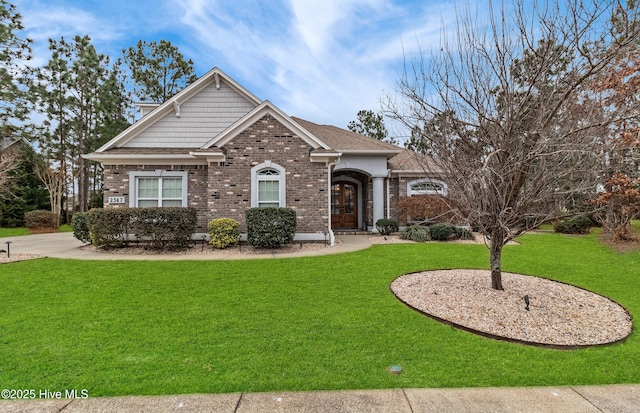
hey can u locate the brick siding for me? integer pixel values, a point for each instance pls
(224, 190)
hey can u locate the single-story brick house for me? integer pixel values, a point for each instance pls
(219, 149)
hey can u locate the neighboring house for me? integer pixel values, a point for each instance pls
(10, 146)
(219, 149)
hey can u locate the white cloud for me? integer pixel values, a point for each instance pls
(318, 59)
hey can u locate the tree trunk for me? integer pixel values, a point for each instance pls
(495, 259)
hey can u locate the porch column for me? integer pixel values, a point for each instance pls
(378, 199)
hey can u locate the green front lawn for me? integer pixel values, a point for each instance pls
(123, 327)
(15, 232)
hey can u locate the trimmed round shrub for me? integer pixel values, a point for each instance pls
(81, 227)
(416, 233)
(40, 219)
(386, 226)
(270, 227)
(576, 225)
(223, 232)
(443, 232)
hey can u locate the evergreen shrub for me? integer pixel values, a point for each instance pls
(416, 233)
(386, 226)
(575, 225)
(164, 227)
(158, 227)
(443, 232)
(270, 227)
(110, 227)
(40, 219)
(81, 227)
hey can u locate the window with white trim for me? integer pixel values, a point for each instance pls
(426, 187)
(158, 189)
(268, 185)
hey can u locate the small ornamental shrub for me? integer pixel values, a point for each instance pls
(81, 227)
(386, 226)
(40, 219)
(575, 225)
(463, 233)
(270, 227)
(416, 233)
(443, 232)
(223, 232)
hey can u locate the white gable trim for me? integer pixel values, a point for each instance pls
(265, 108)
(173, 104)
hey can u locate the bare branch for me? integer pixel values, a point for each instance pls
(508, 111)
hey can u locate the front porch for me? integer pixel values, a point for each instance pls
(357, 201)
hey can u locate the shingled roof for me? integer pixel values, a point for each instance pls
(345, 141)
(412, 162)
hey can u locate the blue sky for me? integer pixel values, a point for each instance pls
(321, 60)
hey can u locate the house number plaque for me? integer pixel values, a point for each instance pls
(116, 200)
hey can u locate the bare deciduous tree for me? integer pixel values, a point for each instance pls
(54, 181)
(504, 109)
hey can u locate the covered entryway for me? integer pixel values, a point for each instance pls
(344, 205)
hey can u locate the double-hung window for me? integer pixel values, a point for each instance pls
(268, 185)
(158, 189)
(268, 188)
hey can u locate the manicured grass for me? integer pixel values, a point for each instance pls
(65, 228)
(15, 232)
(330, 322)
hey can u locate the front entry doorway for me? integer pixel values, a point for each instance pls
(344, 205)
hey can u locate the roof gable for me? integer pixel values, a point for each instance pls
(265, 108)
(203, 109)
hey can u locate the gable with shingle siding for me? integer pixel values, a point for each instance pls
(196, 121)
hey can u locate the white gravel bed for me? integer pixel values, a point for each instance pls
(17, 257)
(559, 314)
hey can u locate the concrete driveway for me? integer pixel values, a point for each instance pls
(57, 244)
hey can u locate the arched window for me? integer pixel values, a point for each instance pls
(268, 185)
(426, 187)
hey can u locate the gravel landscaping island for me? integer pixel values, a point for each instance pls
(559, 315)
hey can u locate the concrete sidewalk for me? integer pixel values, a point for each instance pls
(578, 399)
(64, 245)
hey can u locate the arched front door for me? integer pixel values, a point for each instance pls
(344, 205)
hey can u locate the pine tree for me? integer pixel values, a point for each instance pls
(158, 70)
(14, 52)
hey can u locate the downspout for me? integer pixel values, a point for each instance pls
(388, 194)
(332, 237)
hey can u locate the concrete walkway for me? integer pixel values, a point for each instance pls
(578, 399)
(610, 398)
(64, 245)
